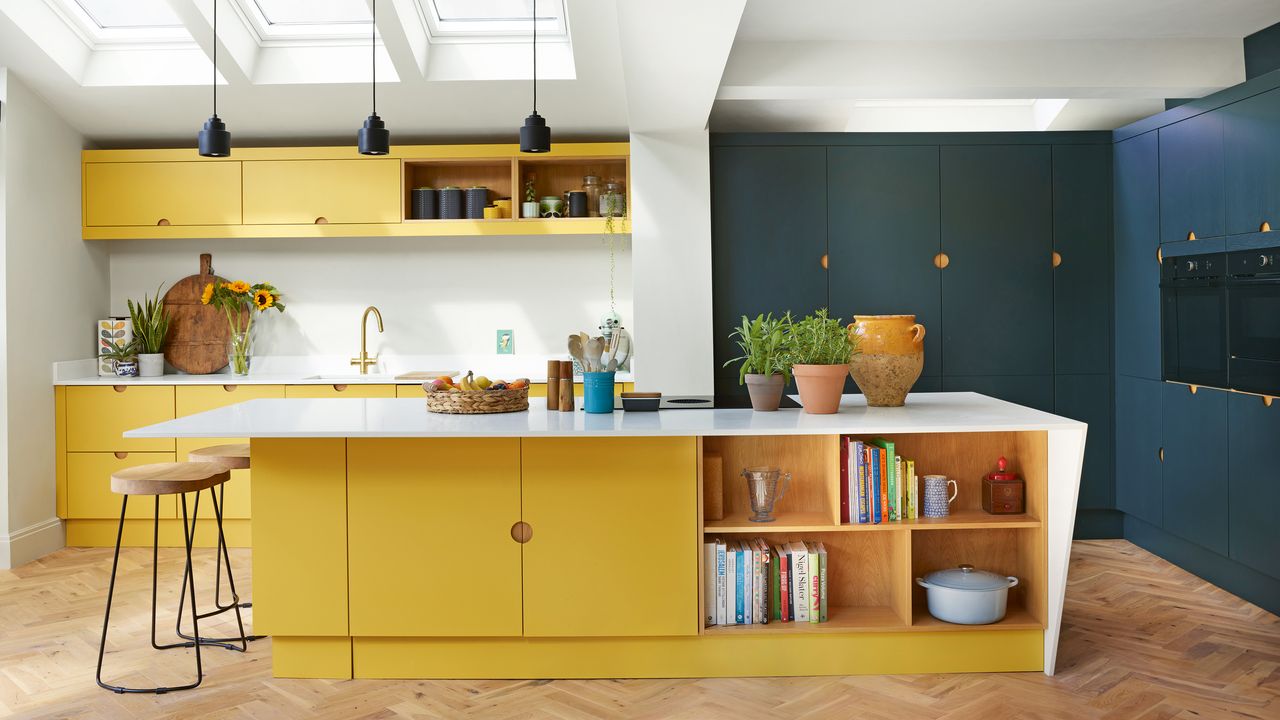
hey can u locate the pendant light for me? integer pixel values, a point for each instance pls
(374, 138)
(535, 136)
(214, 139)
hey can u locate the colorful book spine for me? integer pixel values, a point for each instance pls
(746, 573)
(899, 487)
(815, 584)
(722, 584)
(913, 510)
(801, 555)
(822, 582)
(889, 460)
(873, 454)
(709, 583)
(784, 584)
(884, 482)
(766, 567)
(735, 584)
(844, 480)
(864, 508)
(775, 585)
(757, 583)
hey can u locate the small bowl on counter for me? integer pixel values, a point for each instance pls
(641, 401)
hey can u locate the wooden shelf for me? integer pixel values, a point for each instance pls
(839, 619)
(818, 522)
(1016, 617)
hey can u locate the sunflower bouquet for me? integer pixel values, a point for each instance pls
(241, 302)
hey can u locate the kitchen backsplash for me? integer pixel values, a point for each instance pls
(438, 296)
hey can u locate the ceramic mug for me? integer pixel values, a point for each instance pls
(936, 501)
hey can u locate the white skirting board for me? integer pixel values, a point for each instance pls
(31, 543)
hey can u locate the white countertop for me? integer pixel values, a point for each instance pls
(408, 417)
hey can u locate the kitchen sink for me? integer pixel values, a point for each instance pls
(415, 376)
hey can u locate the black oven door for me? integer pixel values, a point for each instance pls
(1255, 321)
(1194, 319)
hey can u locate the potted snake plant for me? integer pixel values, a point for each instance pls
(762, 366)
(818, 350)
(150, 325)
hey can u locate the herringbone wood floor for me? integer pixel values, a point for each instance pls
(1141, 639)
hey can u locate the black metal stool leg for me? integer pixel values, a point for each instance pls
(222, 553)
(106, 618)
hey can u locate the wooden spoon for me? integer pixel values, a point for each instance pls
(594, 353)
(575, 349)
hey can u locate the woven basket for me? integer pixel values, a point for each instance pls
(478, 402)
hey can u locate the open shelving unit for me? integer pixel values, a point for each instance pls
(872, 567)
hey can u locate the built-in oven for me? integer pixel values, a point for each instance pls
(1254, 319)
(1193, 292)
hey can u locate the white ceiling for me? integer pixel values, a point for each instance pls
(815, 65)
(837, 65)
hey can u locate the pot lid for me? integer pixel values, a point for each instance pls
(965, 577)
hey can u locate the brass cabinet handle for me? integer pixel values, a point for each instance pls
(823, 262)
(1160, 454)
(1193, 388)
(1266, 227)
(522, 532)
(1191, 235)
(941, 260)
(1159, 256)
(1057, 259)
(1266, 400)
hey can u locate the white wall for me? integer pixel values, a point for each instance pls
(438, 296)
(671, 226)
(55, 286)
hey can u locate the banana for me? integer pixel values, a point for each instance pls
(468, 383)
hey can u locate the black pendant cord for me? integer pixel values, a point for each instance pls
(373, 56)
(535, 57)
(215, 58)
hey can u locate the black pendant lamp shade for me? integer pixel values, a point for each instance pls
(374, 138)
(535, 136)
(214, 139)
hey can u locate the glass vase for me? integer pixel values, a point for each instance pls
(238, 353)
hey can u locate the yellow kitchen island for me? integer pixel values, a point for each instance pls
(394, 543)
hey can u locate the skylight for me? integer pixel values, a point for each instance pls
(491, 19)
(314, 12)
(114, 14)
(115, 22)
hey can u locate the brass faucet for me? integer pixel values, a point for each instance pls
(364, 361)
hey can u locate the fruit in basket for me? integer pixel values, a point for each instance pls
(482, 382)
(467, 383)
(518, 384)
(435, 385)
(444, 380)
(498, 386)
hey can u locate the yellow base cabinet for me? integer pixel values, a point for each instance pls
(429, 536)
(615, 536)
(98, 415)
(89, 487)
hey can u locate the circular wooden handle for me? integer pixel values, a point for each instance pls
(121, 455)
(941, 260)
(1160, 454)
(339, 388)
(522, 532)
(1159, 256)
(322, 220)
(230, 388)
(119, 388)
(162, 221)
(1193, 388)
(824, 262)
(1266, 400)
(1265, 227)
(1191, 235)
(1057, 259)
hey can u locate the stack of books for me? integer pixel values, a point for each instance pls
(876, 484)
(750, 581)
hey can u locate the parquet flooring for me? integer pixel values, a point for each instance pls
(1141, 640)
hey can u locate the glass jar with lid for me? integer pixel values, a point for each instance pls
(591, 186)
(613, 201)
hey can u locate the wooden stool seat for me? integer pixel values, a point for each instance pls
(168, 478)
(233, 457)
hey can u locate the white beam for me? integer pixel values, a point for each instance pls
(404, 37)
(237, 48)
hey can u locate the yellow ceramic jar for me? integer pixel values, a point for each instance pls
(890, 357)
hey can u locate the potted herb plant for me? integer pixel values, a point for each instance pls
(818, 349)
(762, 365)
(240, 300)
(530, 208)
(150, 325)
(124, 358)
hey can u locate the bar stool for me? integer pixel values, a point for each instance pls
(234, 456)
(155, 480)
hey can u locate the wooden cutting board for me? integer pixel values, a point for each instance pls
(198, 334)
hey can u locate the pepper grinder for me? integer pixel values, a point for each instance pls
(553, 384)
(566, 386)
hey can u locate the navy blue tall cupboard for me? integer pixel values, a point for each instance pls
(1254, 502)
(1192, 179)
(1137, 266)
(1251, 138)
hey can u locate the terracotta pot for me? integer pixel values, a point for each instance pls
(890, 357)
(820, 387)
(765, 391)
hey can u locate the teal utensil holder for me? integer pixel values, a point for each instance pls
(597, 392)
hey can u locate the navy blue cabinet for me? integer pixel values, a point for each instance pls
(1251, 137)
(1195, 465)
(1087, 398)
(769, 234)
(1138, 478)
(1255, 483)
(1035, 391)
(1137, 269)
(883, 234)
(1192, 181)
(1082, 297)
(997, 231)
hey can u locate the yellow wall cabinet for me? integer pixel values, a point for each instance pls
(161, 193)
(317, 192)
